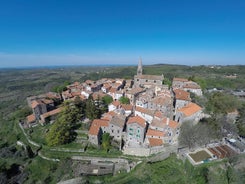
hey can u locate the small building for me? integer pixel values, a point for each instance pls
(146, 114)
(191, 112)
(49, 116)
(136, 129)
(116, 127)
(182, 98)
(96, 130)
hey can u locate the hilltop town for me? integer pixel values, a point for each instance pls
(144, 124)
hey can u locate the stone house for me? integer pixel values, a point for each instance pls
(133, 94)
(49, 116)
(182, 98)
(41, 106)
(114, 105)
(191, 112)
(116, 127)
(163, 104)
(128, 109)
(154, 137)
(96, 130)
(178, 83)
(136, 129)
(148, 81)
(146, 114)
(106, 87)
(193, 87)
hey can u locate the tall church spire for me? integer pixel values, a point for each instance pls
(140, 68)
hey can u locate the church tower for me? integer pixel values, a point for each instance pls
(140, 69)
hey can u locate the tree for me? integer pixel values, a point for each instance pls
(166, 81)
(124, 100)
(107, 99)
(195, 135)
(92, 110)
(241, 121)
(106, 141)
(62, 131)
(221, 103)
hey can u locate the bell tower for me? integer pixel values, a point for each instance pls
(140, 68)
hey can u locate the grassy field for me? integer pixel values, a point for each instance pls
(200, 156)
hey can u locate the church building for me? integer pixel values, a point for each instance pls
(146, 81)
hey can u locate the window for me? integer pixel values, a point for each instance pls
(137, 79)
(146, 80)
(118, 131)
(154, 81)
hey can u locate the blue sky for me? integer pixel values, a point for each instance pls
(77, 32)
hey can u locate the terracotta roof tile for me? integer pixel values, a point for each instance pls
(96, 124)
(116, 103)
(152, 132)
(190, 109)
(101, 122)
(31, 118)
(192, 85)
(51, 113)
(155, 142)
(162, 100)
(159, 123)
(127, 107)
(94, 129)
(112, 90)
(138, 120)
(182, 95)
(34, 103)
(144, 110)
(180, 79)
(173, 124)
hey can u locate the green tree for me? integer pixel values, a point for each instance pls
(124, 100)
(106, 141)
(62, 131)
(221, 103)
(241, 121)
(92, 110)
(107, 99)
(166, 81)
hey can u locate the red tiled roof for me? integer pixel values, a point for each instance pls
(180, 79)
(51, 113)
(162, 100)
(158, 114)
(34, 103)
(173, 124)
(182, 95)
(112, 90)
(155, 142)
(157, 133)
(127, 107)
(192, 86)
(94, 129)
(116, 103)
(31, 118)
(138, 120)
(98, 95)
(159, 123)
(96, 124)
(145, 111)
(101, 122)
(190, 109)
